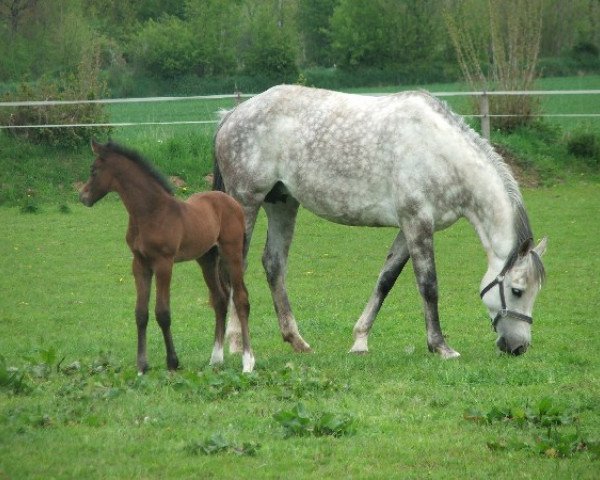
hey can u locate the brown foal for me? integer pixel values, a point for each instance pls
(208, 228)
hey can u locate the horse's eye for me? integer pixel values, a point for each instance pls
(517, 292)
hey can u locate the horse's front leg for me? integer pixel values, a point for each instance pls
(163, 269)
(143, 280)
(394, 263)
(420, 244)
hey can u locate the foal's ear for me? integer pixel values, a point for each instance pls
(96, 147)
(540, 249)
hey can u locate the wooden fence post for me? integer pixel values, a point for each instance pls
(484, 108)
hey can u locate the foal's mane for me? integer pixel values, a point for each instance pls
(114, 148)
(524, 234)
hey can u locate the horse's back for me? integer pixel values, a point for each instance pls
(350, 158)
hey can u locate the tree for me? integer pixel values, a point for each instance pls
(270, 41)
(507, 60)
(216, 28)
(314, 26)
(166, 48)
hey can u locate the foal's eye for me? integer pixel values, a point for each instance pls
(517, 292)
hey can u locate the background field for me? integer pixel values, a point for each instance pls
(42, 175)
(75, 407)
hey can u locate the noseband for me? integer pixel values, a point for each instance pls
(504, 312)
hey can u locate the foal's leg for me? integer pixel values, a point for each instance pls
(233, 265)
(219, 299)
(282, 218)
(143, 280)
(163, 269)
(234, 329)
(419, 235)
(394, 263)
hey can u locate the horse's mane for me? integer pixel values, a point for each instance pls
(524, 234)
(145, 165)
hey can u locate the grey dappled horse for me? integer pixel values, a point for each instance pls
(403, 161)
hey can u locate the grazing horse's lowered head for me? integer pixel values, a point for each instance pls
(510, 295)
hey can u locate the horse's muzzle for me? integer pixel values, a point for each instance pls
(84, 197)
(512, 348)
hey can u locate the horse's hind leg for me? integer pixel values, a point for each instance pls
(234, 329)
(281, 214)
(163, 269)
(232, 274)
(394, 263)
(219, 297)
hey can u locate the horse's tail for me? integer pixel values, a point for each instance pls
(218, 183)
(217, 177)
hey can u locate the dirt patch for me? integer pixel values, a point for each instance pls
(527, 177)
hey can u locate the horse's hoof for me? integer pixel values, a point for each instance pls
(301, 346)
(447, 353)
(360, 347)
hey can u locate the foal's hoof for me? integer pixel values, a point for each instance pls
(173, 364)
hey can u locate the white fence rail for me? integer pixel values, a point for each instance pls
(483, 99)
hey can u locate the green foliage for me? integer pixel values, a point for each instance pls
(12, 380)
(166, 47)
(585, 145)
(217, 443)
(294, 381)
(300, 422)
(85, 84)
(270, 51)
(547, 414)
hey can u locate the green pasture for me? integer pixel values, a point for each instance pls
(72, 406)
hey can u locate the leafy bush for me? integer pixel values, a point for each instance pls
(166, 48)
(84, 85)
(585, 145)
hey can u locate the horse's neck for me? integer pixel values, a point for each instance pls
(494, 220)
(141, 195)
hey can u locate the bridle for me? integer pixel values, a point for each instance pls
(504, 312)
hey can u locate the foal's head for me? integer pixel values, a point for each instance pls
(112, 161)
(511, 295)
(101, 177)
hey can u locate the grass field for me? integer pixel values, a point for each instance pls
(72, 406)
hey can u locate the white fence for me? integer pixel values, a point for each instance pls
(483, 99)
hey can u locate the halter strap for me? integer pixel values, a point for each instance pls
(503, 312)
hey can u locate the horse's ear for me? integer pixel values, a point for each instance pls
(540, 249)
(525, 247)
(96, 147)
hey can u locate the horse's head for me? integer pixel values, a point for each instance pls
(510, 298)
(99, 183)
